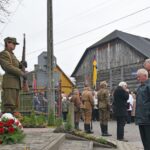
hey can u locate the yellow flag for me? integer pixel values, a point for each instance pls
(94, 72)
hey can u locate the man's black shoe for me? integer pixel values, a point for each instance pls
(106, 134)
(123, 140)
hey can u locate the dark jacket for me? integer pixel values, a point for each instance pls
(143, 104)
(120, 102)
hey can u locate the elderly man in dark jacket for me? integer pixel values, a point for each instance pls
(120, 108)
(143, 107)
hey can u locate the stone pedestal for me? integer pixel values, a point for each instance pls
(71, 112)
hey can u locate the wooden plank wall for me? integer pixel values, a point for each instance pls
(125, 73)
(116, 61)
(114, 76)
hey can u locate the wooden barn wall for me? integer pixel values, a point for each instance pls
(122, 73)
(116, 61)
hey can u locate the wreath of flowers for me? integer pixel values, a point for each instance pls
(11, 130)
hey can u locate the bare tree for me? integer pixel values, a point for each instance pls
(3, 9)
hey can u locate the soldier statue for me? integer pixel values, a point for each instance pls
(103, 104)
(11, 79)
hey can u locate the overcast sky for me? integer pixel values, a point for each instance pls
(71, 18)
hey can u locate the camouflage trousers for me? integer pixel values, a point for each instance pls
(10, 100)
(104, 116)
(87, 116)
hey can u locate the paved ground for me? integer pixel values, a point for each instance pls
(40, 139)
(36, 139)
(131, 133)
(76, 145)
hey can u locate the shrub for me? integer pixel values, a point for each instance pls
(58, 122)
(68, 126)
(51, 118)
(34, 121)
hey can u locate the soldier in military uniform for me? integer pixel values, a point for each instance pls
(76, 100)
(11, 79)
(87, 105)
(103, 104)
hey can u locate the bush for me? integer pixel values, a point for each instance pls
(58, 122)
(34, 121)
(68, 126)
(51, 118)
(41, 120)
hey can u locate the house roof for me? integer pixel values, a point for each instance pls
(141, 44)
(65, 75)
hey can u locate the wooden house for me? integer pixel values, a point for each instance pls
(41, 76)
(118, 57)
(66, 84)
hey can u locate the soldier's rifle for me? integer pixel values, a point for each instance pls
(25, 86)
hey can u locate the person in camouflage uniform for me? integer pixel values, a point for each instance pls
(87, 105)
(76, 101)
(11, 79)
(103, 105)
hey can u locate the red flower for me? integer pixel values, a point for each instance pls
(1, 124)
(1, 130)
(17, 123)
(9, 123)
(11, 130)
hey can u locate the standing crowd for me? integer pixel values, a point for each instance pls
(126, 106)
(123, 105)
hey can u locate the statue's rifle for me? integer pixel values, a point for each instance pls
(25, 86)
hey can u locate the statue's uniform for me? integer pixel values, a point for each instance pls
(11, 81)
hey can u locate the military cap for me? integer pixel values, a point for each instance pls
(103, 83)
(11, 39)
(76, 91)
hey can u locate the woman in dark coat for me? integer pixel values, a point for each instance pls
(120, 108)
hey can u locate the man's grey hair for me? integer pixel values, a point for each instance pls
(147, 61)
(122, 84)
(142, 71)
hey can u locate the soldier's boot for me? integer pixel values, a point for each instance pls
(89, 129)
(76, 125)
(106, 131)
(85, 127)
(102, 129)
